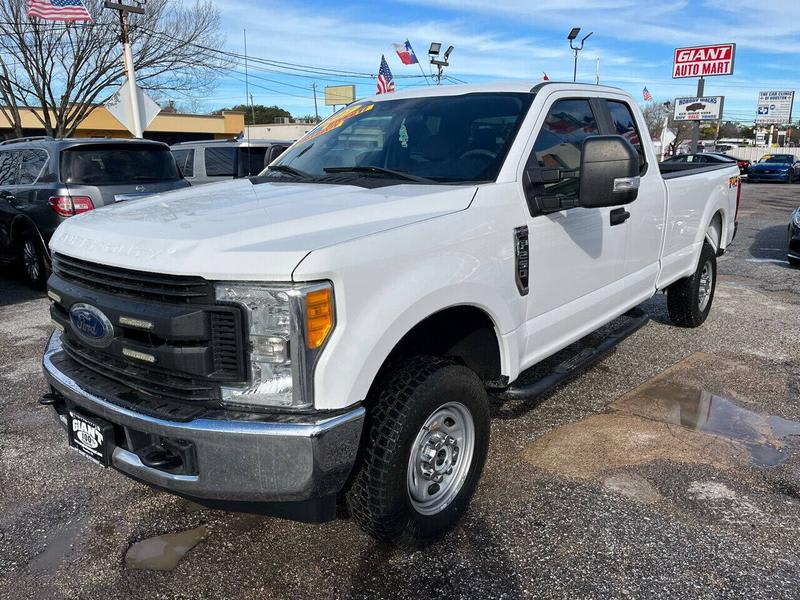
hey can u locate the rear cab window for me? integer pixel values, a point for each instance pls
(624, 124)
(112, 164)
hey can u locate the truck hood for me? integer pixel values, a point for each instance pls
(238, 230)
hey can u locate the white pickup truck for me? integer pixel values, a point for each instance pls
(325, 334)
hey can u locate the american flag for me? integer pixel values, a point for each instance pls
(58, 10)
(648, 97)
(385, 81)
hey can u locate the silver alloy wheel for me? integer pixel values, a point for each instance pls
(706, 284)
(30, 257)
(440, 458)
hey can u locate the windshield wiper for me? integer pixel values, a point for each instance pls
(378, 171)
(289, 170)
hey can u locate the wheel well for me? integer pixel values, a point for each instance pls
(714, 231)
(464, 333)
(21, 226)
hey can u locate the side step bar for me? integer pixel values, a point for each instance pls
(574, 365)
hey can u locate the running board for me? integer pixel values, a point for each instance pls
(574, 365)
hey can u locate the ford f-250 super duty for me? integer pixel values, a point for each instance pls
(327, 331)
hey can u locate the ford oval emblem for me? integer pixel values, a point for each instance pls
(91, 325)
(139, 188)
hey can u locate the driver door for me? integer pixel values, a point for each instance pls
(576, 255)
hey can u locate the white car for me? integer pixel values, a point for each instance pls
(328, 331)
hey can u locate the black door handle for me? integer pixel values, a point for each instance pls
(619, 216)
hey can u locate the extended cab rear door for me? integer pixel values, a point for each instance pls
(644, 228)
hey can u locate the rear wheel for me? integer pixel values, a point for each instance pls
(427, 438)
(795, 262)
(34, 262)
(689, 299)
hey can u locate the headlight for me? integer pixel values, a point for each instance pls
(288, 326)
(796, 218)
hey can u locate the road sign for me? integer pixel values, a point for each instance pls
(119, 105)
(339, 95)
(707, 108)
(704, 61)
(774, 108)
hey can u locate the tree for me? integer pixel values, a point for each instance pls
(265, 115)
(61, 71)
(655, 114)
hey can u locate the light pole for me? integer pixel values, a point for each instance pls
(573, 34)
(433, 52)
(127, 56)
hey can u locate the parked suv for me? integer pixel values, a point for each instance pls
(44, 181)
(218, 160)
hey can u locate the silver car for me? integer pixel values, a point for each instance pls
(218, 160)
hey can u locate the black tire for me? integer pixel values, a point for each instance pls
(684, 296)
(35, 266)
(380, 498)
(795, 262)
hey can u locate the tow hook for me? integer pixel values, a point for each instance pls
(51, 399)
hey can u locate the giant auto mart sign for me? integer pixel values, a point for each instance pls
(704, 61)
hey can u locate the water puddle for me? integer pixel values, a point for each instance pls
(694, 408)
(672, 417)
(163, 552)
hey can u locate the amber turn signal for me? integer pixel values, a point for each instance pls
(319, 317)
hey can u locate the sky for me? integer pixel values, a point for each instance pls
(510, 39)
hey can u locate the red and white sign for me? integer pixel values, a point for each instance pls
(704, 61)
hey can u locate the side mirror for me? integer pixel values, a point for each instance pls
(609, 174)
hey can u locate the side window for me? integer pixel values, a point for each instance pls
(33, 162)
(559, 144)
(220, 162)
(185, 161)
(625, 125)
(9, 164)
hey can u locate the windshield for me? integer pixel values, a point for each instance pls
(446, 139)
(118, 165)
(783, 158)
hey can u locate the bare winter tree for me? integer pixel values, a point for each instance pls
(654, 115)
(61, 71)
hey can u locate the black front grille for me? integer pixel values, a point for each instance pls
(148, 380)
(191, 348)
(138, 284)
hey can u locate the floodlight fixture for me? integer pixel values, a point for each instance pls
(573, 34)
(447, 53)
(439, 63)
(434, 49)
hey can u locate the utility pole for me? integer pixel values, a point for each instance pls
(314, 91)
(253, 109)
(597, 73)
(701, 87)
(124, 11)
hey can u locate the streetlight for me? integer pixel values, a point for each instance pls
(433, 52)
(573, 34)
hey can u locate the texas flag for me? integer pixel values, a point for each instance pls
(406, 53)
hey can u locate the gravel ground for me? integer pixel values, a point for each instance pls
(639, 479)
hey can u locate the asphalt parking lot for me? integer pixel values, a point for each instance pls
(669, 470)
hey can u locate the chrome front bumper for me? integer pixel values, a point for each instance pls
(246, 462)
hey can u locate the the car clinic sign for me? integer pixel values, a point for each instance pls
(708, 108)
(774, 108)
(704, 61)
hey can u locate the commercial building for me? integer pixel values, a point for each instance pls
(166, 127)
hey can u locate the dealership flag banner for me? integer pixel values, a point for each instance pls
(648, 97)
(406, 53)
(58, 10)
(385, 79)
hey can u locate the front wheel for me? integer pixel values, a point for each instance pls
(689, 299)
(427, 439)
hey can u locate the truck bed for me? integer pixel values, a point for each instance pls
(676, 169)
